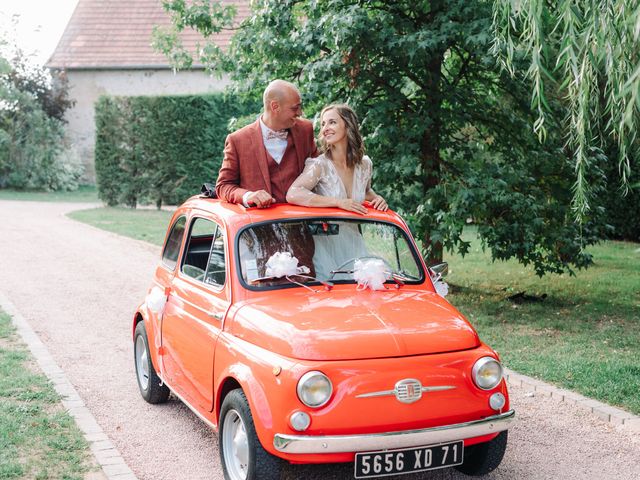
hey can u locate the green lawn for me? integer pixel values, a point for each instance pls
(38, 439)
(583, 335)
(147, 225)
(85, 193)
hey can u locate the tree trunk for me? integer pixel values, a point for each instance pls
(430, 146)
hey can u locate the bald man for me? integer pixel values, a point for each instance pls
(262, 160)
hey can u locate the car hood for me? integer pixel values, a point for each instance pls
(349, 324)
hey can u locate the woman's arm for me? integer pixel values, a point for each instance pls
(377, 201)
(300, 192)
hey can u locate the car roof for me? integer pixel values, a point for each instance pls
(238, 215)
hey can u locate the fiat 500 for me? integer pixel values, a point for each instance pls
(309, 335)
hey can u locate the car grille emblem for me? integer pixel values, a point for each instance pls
(408, 390)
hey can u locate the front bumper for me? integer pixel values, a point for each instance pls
(391, 440)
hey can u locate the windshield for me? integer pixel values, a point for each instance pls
(328, 247)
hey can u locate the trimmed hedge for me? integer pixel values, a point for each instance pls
(161, 149)
(622, 211)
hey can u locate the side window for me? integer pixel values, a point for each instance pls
(172, 247)
(216, 270)
(204, 257)
(196, 256)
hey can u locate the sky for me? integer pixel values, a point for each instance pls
(40, 25)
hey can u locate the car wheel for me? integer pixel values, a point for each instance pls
(483, 458)
(151, 387)
(241, 453)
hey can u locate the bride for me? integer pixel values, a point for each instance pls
(340, 177)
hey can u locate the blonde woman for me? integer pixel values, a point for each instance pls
(341, 176)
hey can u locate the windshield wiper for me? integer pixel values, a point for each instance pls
(399, 278)
(335, 272)
(327, 285)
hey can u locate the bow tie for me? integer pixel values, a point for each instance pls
(281, 134)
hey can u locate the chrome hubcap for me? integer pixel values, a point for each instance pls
(235, 446)
(142, 363)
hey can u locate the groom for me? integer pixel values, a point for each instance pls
(262, 160)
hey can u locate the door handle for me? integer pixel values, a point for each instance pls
(217, 315)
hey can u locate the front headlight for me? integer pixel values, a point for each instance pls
(314, 389)
(487, 373)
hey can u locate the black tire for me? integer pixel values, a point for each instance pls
(260, 464)
(485, 457)
(154, 391)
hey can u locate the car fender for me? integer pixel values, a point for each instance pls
(242, 375)
(267, 380)
(151, 322)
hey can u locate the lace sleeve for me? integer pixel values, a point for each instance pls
(300, 192)
(368, 171)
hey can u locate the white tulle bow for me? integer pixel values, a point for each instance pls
(282, 264)
(156, 300)
(442, 288)
(370, 274)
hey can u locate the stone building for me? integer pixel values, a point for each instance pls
(106, 50)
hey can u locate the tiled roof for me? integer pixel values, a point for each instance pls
(117, 34)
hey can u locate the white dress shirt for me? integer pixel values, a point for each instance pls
(275, 146)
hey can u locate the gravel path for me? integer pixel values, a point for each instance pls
(78, 288)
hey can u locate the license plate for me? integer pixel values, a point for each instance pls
(397, 462)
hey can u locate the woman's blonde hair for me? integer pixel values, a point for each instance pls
(355, 145)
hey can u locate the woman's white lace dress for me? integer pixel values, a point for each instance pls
(321, 177)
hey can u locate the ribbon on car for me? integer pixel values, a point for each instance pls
(156, 300)
(441, 287)
(370, 274)
(283, 264)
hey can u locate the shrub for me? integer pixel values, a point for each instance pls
(33, 153)
(622, 210)
(619, 204)
(160, 149)
(32, 149)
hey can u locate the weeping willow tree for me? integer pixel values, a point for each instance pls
(587, 52)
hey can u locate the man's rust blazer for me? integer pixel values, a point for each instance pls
(245, 168)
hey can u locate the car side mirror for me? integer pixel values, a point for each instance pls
(438, 271)
(208, 190)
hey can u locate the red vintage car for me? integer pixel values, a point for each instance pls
(312, 335)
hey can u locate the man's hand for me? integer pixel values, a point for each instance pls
(260, 199)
